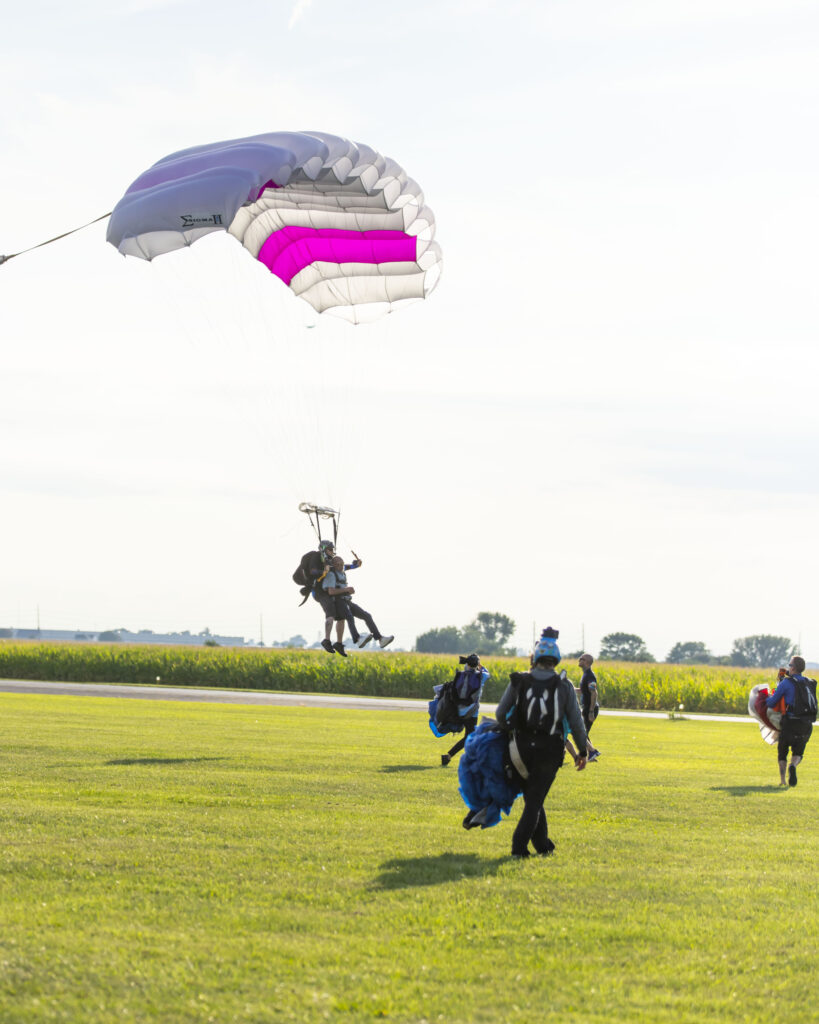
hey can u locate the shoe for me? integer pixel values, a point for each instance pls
(792, 775)
(385, 641)
(363, 640)
(594, 756)
(327, 646)
(445, 759)
(547, 850)
(475, 818)
(339, 649)
(521, 856)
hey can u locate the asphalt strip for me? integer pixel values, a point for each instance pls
(271, 699)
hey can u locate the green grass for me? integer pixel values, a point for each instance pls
(192, 863)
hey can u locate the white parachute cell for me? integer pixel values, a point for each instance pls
(344, 227)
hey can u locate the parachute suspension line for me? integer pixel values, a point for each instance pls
(65, 234)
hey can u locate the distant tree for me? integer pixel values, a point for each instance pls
(6, 633)
(486, 634)
(761, 650)
(624, 647)
(495, 626)
(690, 652)
(447, 640)
(296, 641)
(210, 642)
(108, 636)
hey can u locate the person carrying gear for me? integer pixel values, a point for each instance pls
(534, 706)
(458, 708)
(797, 722)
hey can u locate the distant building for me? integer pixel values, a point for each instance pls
(144, 636)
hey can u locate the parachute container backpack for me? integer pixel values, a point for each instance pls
(345, 228)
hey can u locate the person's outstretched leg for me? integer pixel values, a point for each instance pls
(354, 634)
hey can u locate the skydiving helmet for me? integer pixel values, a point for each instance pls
(546, 647)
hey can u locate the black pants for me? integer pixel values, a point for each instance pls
(353, 612)
(795, 734)
(542, 757)
(470, 725)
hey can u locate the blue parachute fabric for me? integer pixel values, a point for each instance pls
(433, 707)
(448, 721)
(436, 727)
(482, 774)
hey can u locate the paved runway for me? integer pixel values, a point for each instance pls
(267, 697)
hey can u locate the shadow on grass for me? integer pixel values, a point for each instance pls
(389, 768)
(745, 790)
(163, 760)
(404, 872)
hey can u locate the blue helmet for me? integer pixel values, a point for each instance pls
(546, 647)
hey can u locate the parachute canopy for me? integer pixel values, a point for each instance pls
(344, 227)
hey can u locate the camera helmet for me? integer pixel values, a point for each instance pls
(546, 647)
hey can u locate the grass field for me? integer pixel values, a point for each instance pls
(194, 863)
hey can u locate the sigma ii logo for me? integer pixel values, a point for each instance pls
(190, 221)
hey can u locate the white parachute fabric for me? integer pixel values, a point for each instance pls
(766, 718)
(343, 226)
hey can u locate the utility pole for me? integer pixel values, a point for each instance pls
(261, 630)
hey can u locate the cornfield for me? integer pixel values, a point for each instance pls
(662, 687)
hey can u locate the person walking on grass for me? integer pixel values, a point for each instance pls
(534, 705)
(797, 721)
(589, 706)
(589, 700)
(468, 688)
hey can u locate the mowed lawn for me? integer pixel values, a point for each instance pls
(190, 862)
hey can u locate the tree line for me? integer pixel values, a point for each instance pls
(489, 633)
(761, 650)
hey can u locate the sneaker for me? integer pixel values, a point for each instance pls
(338, 647)
(475, 818)
(363, 640)
(445, 759)
(385, 641)
(792, 775)
(547, 851)
(593, 756)
(327, 646)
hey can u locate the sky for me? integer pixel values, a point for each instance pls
(602, 419)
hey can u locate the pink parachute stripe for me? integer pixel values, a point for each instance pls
(291, 249)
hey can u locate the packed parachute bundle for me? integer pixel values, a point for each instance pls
(488, 783)
(345, 228)
(458, 699)
(768, 719)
